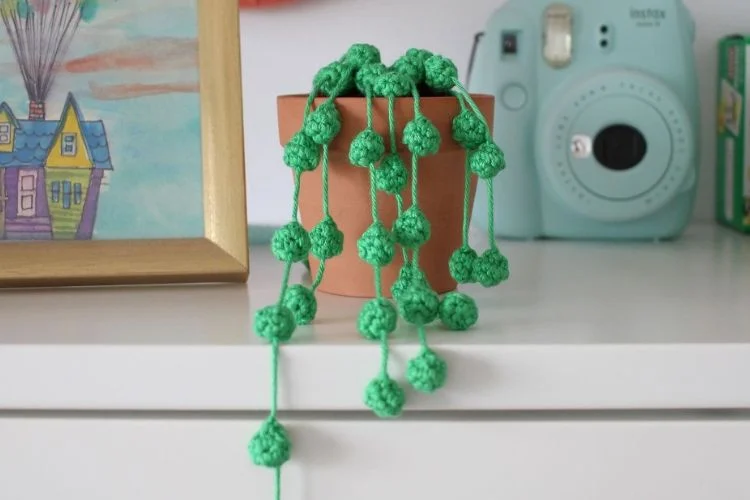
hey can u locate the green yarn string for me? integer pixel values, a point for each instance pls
(371, 171)
(318, 276)
(326, 212)
(467, 196)
(414, 181)
(369, 110)
(310, 99)
(394, 151)
(374, 208)
(392, 123)
(274, 377)
(284, 282)
(460, 100)
(415, 96)
(324, 175)
(277, 484)
(491, 214)
(295, 200)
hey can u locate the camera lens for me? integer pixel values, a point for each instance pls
(603, 43)
(619, 147)
(603, 29)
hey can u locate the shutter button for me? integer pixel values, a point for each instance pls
(513, 96)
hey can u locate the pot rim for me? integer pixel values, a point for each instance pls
(441, 110)
(435, 98)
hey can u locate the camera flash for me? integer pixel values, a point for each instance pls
(558, 33)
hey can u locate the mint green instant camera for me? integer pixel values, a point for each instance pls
(597, 111)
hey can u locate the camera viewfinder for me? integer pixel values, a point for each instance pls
(509, 42)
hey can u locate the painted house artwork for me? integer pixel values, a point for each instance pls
(51, 169)
(50, 173)
(100, 120)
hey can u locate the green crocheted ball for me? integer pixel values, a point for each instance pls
(408, 276)
(412, 63)
(361, 54)
(440, 73)
(421, 137)
(411, 229)
(487, 160)
(469, 130)
(403, 281)
(323, 124)
(301, 153)
(327, 241)
(461, 265)
(366, 149)
(418, 304)
(301, 301)
(378, 317)
(411, 68)
(376, 246)
(491, 268)
(367, 76)
(270, 446)
(274, 323)
(392, 84)
(420, 55)
(290, 243)
(385, 397)
(427, 372)
(334, 79)
(391, 175)
(458, 311)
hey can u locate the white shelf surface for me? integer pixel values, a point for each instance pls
(578, 326)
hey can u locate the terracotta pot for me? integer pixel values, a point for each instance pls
(441, 190)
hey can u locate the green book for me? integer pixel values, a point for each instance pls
(733, 135)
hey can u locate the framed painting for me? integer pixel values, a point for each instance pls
(121, 143)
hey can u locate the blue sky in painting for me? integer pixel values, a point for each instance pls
(155, 189)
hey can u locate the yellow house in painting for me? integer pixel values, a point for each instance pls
(50, 174)
(8, 125)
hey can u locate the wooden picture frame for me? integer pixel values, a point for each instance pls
(52, 253)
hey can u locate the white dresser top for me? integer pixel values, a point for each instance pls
(578, 326)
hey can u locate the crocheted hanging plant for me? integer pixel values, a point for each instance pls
(360, 71)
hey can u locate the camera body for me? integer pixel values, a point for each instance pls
(597, 111)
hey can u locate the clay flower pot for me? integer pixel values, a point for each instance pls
(441, 189)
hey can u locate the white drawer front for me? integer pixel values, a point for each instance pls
(195, 459)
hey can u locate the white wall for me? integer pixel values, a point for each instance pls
(283, 48)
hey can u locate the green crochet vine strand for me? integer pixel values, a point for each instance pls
(418, 303)
(378, 317)
(468, 131)
(486, 161)
(392, 178)
(458, 311)
(360, 71)
(271, 446)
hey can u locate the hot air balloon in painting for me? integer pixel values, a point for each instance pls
(51, 168)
